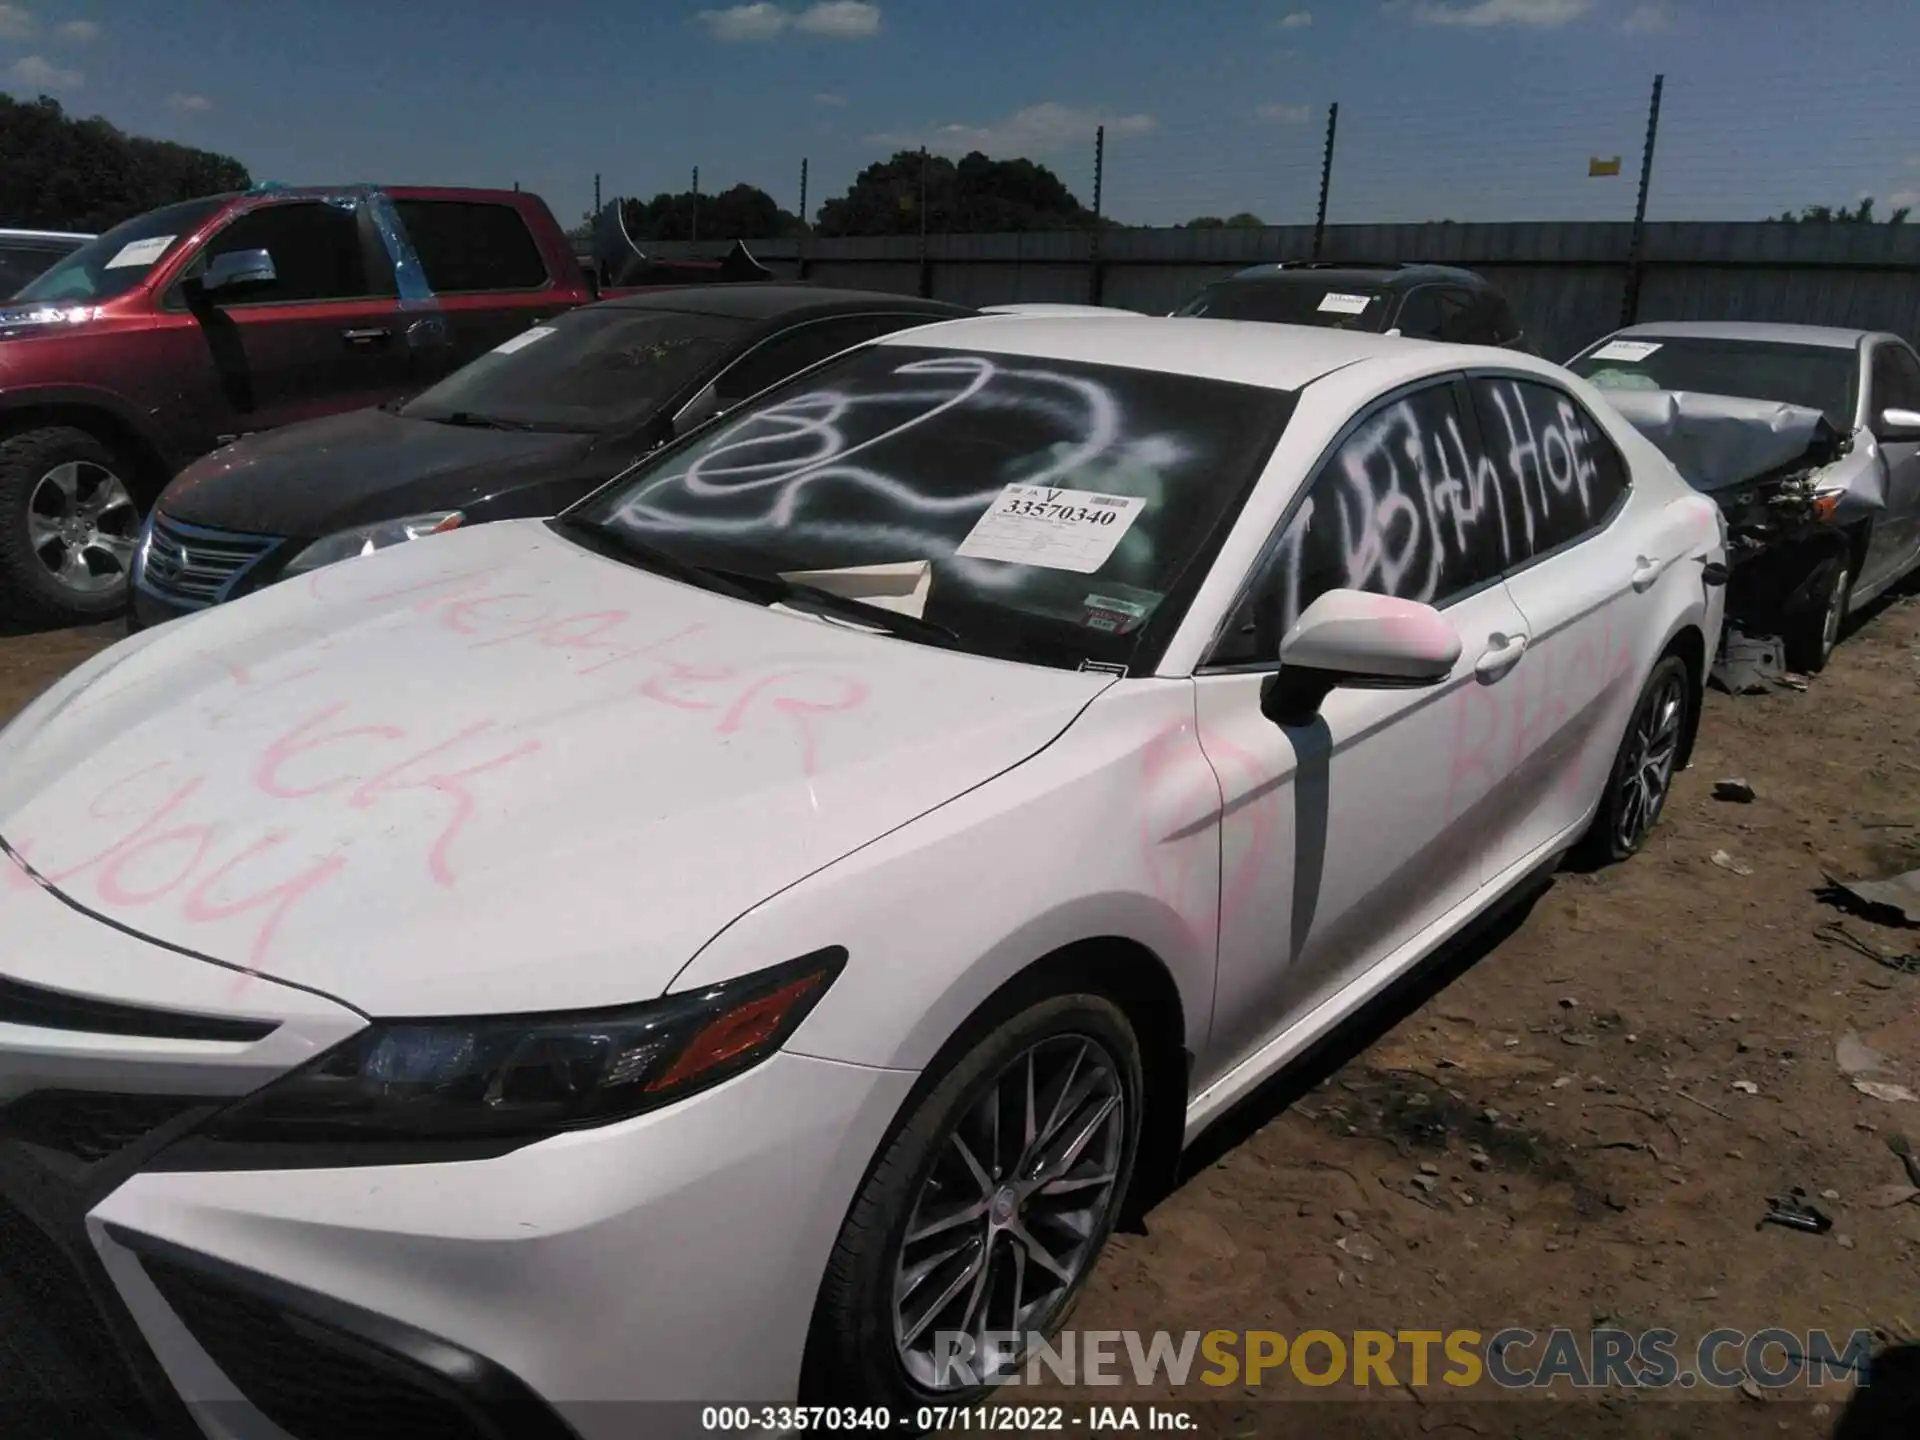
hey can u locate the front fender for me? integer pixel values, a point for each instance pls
(1110, 833)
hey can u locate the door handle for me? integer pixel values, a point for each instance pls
(1500, 656)
(1645, 572)
(366, 337)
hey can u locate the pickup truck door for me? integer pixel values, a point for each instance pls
(486, 271)
(327, 334)
(1894, 383)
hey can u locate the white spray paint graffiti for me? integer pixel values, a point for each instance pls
(1406, 507)
(814, 468)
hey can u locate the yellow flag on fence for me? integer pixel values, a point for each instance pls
(1597, 166)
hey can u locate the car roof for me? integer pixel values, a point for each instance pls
(1380, 277)
(73, 237)
(1755, 332)
(778, 300)
(1244, 352)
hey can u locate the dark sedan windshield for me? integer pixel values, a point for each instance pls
(113, 263)
(586, 371)
(1064, 510)
(1817, 377)
(1292, 300)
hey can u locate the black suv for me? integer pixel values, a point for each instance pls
(25, 255)
(1423, 302)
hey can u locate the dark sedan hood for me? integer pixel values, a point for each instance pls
(324, 475)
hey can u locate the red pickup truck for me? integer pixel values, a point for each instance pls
(185, 328)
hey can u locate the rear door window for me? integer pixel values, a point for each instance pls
(1420, 316)
(470, 248)
(794, 350)
(1560, 477)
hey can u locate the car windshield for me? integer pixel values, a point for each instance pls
(1060, 513)
(1293, 300)
(113, 263)
(587, 371)
(1817, 377)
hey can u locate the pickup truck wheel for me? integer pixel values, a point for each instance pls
(1810, 635)
(68, 526)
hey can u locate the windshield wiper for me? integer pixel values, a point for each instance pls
(832, 602)
(619, 544)
(471, 421)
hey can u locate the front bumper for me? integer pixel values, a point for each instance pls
(600, 1283)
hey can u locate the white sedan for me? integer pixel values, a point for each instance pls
(751, 937)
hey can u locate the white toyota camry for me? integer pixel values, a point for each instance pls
(748, 938)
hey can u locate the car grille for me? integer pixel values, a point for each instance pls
(60, 1371)
(190, 566)
(314, 1382)
(89, 1125)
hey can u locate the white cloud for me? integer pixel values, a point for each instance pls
(1297, 20)
(1646, 20)
(828, 98)
(745, 22)
(1285, 114)
(193, 104)
(1903, 199)
(1540, 14)
(16, 23)
(1046, 129)
(842, 19)
(78, 32)
(36, 72)
(761, 21)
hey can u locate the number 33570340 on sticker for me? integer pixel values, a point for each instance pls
(1059, 529)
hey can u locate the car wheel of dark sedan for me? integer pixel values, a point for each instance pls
(983, 1215)
(68, 526)
(1810, 636)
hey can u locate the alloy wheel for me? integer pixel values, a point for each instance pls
(82, 524)
(1012, 1211)
(1653, 747)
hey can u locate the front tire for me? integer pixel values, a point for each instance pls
(985, 1210)
(1644, 766)
(68, 525)
(1810, 636)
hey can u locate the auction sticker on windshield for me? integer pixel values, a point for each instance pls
(1628, 350)
(1059, 529)
(523, 339)
(1338, 304)
(140, 252)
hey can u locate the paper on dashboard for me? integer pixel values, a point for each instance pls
(902, 586)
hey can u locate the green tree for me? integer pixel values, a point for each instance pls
(977, 195)
(62, 173)
(1244, 220)
(1861, 214)
(741, 213)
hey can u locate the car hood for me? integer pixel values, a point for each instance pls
(319, 476)
(490, 772)
(1722, 441)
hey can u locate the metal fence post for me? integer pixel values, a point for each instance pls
(1630, 301)
(801, 243)
(926, 264)
(1097, 270)
(1326, 179)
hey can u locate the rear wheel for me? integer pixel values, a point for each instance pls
(68, 525)
(984, 1212)
(1644, 768)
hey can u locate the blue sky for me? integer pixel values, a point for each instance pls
(1460, 109)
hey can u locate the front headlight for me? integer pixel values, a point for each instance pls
(404, 1089)
(365, 539)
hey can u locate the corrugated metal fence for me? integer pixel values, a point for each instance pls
(1567, 280)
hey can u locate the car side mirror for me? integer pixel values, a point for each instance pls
(1898, 424)
(237, 270)
(1349, 639)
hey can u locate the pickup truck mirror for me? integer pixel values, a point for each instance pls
(238, 269)
(1898, 424)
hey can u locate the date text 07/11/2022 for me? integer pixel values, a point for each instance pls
(1093, 1420)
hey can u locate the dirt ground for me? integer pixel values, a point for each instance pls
(1580, 1122)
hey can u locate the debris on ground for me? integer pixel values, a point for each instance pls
(1749, 664)
(1855, 1057)
(1793, 1212)
(1899, 894)
(1738, 791)
(1882, 1090)
(1899, 1145)
(1746, 1087)
(1727, 862)
(1834, 933)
